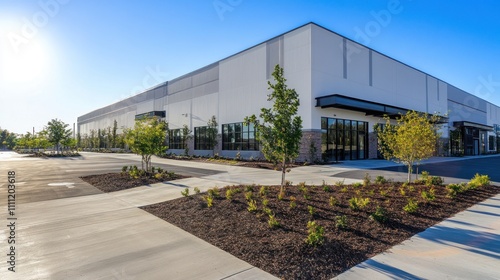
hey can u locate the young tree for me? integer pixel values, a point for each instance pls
(113, 134)
(212, 131)
(57, 132)
(185, 136)
(411, 140)
(147, 138)
(281, 129)
(93, 139)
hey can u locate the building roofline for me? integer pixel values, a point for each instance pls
(282, 34)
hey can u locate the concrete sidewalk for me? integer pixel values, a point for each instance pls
(104, 237)
(466, 246)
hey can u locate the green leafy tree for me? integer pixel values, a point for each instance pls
(57, 132)
(280, 131)
(212, 131)
(411, 140)
(146, 139)
(7, 139)
(24, 141)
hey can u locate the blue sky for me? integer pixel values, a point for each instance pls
(64, 58)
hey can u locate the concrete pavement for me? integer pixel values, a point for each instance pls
(81, 233)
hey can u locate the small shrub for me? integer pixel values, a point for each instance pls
(214, 192)
(159, 170)
(196, 190)
(384, 192)
(379, 215)
(265, 201)
(273, 222)
(316, 234)
(249, 196)
(339, 183)
(134, 172)
(411, 206)
(358, 203)
(229, 194)
(344, 189)
(434, 181)
(455, 189)
(158, 176)
(209, 199)
(402, 191)
(371, 192)
(185, 192)
(248, 188)
(311, 210)
(341, 222)
(332, 201)
(326, 187)
(366, 180)
(263, 191)
(303, 188)
(479, 181)
(429, 196)
(379, 180)
(267, 211)
(280, 196)
(124, 169)
(293, 202)
(425, 175)
(357, 184)
(252, 206)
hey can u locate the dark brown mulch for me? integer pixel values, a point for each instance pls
(283, 251)
(111, 182)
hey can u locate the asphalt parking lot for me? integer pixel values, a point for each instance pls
(460, 170)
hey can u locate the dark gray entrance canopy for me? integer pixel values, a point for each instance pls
(368, 107)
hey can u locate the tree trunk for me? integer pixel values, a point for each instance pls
(283, 174)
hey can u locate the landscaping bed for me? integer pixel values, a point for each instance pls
(350, 236)
(256, 163)
(111, 182)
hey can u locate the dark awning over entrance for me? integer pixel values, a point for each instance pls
(471, 124)
(367, 107)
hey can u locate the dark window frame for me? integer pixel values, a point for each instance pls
(239, 137)
(175, 139)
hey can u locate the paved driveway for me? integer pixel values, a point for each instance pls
(67, 229)
(460, 170)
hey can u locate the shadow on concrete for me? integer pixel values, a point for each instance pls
(484, 213)
(387, 270)
(475, 241)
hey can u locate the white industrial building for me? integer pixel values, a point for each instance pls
(344, 89)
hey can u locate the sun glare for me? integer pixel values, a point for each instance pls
(26, 66)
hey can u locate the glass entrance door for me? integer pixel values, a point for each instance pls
(343, 139)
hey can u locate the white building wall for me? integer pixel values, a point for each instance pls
(297, 70)
(242, 85)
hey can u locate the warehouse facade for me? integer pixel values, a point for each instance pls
(344, 88)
